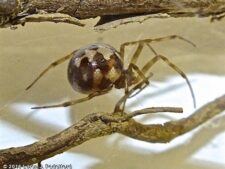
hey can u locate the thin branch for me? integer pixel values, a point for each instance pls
(101, 124)
(104, 25)
(155, 110)
(56, 18)
(13, 12)
(170, 130)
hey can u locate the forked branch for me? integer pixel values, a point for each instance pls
(101, 124)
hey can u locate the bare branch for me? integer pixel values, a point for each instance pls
(101, 124)
(170, 130)
(106, 25)
(56, 18)
(13, 12)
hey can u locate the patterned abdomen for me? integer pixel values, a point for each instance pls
(94, 68)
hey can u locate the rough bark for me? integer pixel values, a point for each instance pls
(13, 12)
(92, 8)
(101, 124)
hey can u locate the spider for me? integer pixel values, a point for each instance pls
(97, 68)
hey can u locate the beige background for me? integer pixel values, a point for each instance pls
(27, 50)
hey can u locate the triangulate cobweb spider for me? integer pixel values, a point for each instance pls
(96, 68)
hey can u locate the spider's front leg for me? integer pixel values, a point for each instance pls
(129, 76)
(158, 57)
(130, 93)
(149, 64)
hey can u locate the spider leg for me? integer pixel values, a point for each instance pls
(158, 57)
(126, 91)
(137, 53)
(141, 42)
(148, 65)
(140, 75)
(140, 89)
(138, 86)
(73, 102)
(133, 66)
(52, 65)
(140, 47)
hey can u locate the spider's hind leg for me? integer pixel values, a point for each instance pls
(73, 102)
(158, 57)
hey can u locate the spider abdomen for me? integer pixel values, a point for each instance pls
(94, 68)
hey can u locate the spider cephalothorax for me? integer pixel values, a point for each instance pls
(96, 68)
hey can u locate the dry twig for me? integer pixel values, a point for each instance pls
(13, 12)
(101, 124)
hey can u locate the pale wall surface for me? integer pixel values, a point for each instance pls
(27, 50)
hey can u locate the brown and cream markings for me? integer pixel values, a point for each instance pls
(94, 68)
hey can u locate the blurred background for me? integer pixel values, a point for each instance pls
(26, 51)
